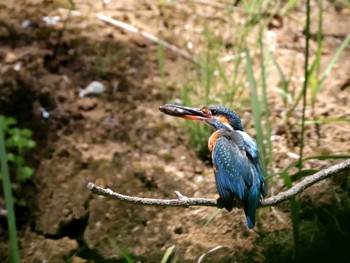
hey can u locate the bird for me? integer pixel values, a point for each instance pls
(237, 166)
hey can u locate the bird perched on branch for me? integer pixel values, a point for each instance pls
(238, 171)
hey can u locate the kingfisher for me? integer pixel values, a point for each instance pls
(237, 166)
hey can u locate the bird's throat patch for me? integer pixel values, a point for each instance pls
(212, 140)
(225, 122)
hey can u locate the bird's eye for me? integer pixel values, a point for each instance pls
(214, 112)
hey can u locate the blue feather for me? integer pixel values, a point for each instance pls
(252, 151)
(251, 205)
(228, 171)
(238, 172)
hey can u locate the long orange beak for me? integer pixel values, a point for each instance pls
(184, 112)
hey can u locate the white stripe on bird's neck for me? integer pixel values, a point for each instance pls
(228, 126)
(225, 122)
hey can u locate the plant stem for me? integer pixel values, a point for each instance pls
(256, 108)
(11, 219)
(295, 207)
(306, 80)
(265, 104)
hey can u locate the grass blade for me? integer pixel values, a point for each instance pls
(284, 81)
(314, 71)
(327, 120)
(265, 104)
(334, 60)
(211, 218)
(256, 108)
(124, 253)
(295, 210)
(167, 254)
(6, 182)
(317, 157)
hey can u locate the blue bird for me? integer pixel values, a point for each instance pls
(238, 171)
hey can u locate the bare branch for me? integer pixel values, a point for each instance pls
(146, 35)
(307, 182)
(181, 200)
(184, 201)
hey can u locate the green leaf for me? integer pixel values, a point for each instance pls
(167, 254)
(26, 133)
(15, 139)
(19, 161)
(21, 202)
(303, 173)
(334, 60)
(25, 173)
(9, 121)
(287, 180)
(11, 157)
(285, 94)
(30, 144)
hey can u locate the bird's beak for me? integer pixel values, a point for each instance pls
(184, 112)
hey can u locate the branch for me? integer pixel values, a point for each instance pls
(184, 201)
(146, 35)
(306, 183)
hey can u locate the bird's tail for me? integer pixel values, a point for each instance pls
(251, 206)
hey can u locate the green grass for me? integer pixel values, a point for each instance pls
(327, 120)
(257, 109)
(224, 83)
(294, 204)
(167, 257)
(217, 82)
(264, 61)
(9, 202)
(318, 157)
(18, 142)
(314, 71)
(316, 78)
(14, 142)
(123, 252)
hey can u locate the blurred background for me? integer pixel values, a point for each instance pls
(80, 87)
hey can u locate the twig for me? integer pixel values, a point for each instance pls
(242, 55)
(210, 251)
(184, 201)
(146, 35)
(181, 201)
(217, 5)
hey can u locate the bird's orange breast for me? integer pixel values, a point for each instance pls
(212, 140)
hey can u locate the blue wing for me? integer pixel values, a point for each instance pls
(252, 151)
(238, 173)
(231, 168)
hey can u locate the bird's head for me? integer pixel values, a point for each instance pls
(218, 117)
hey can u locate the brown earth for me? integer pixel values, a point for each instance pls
(120, 140)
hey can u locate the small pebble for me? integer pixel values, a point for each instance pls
(25, 24)
(94, 87)
(51, 20)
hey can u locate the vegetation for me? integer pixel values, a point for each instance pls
(13, 143)
(216, 83)
(235, 60)
(17, 142)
